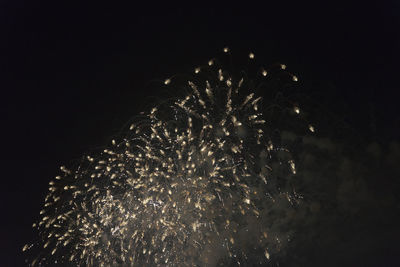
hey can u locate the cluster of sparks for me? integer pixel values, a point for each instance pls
(185, 187)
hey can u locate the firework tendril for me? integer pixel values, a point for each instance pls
(188, 185)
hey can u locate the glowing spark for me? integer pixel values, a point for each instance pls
(264, 72)
(267, 254)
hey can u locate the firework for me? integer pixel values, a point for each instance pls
(197, 182)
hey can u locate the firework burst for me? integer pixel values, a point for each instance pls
(188, 185)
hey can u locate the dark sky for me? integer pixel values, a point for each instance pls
(73, 74)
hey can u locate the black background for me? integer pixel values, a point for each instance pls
(74, 73)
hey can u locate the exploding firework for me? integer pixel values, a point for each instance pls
(199, 181)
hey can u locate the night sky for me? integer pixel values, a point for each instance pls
(73, 74)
